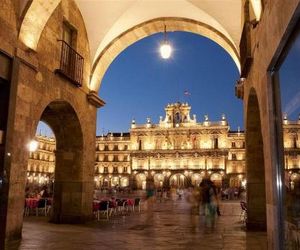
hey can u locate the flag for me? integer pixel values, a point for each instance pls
(187, 93)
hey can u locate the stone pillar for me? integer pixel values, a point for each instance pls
(132, 181)
(166, 183)
(69, 189)
(15, 162)
(150, 181)
(256, 192)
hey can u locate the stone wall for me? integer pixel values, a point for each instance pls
(266, 39)
(8, 24)
(36, 88)
(48, 50)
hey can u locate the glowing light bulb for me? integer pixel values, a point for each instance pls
(33, 145)
(165, 50)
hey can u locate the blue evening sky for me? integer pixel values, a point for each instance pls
(289, 82)
(139, 83)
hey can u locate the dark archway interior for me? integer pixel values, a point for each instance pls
(68, 185)
(256, 193)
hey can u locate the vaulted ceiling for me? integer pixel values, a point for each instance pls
(109, 24)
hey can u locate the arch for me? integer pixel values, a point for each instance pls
(35, 20)
(196, 179)
(178, 180)
(255, 167)
(141, 181)
(121, 29)
(124, 182)
(142, 30)
(63, 120)
(158, 180)
(115, 181)
(237, 181)
(217, 179)
(257, 8)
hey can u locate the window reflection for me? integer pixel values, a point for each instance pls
(290, 105)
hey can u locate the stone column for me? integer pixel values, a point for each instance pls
(68, 205)
(15, 163)
(256, 194)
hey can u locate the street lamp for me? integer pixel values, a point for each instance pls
(32, 145)
(165, 47)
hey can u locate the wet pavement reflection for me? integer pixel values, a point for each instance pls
(167, 225)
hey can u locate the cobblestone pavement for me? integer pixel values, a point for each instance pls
(170, 225)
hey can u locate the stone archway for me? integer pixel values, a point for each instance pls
(255, 166)
(178, 181)
(131, 26)
(217, 179)
(159, 180)
(68, 197)
(142, 30)
(196, 179)
(141, 181)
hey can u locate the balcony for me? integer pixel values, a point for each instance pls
(71, 64)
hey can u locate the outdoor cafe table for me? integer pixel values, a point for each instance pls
(31, 203)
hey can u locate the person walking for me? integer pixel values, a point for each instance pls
(210, 203)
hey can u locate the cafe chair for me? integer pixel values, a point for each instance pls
(243, 215)
(137, 204)
(41, 206)
(103, 209)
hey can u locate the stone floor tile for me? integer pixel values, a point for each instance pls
(169, 225)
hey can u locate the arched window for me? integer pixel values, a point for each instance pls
(216, 143)
(177, 118)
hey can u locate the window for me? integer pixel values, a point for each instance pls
(177, 118)
(71, 62)
(233, 144)
(105, 170)
(115, 170)
(233, 157)
(125, 170)
(69, 34)
(295, 141)
(216, 143)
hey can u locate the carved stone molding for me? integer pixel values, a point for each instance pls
(95, 100)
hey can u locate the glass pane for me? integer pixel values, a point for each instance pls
(290, 106)
(67, 34)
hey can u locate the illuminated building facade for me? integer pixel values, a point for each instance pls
(41, 163)
(178, 151)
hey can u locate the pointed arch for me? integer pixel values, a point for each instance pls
(35, 20)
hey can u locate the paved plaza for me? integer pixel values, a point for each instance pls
(170, 225)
